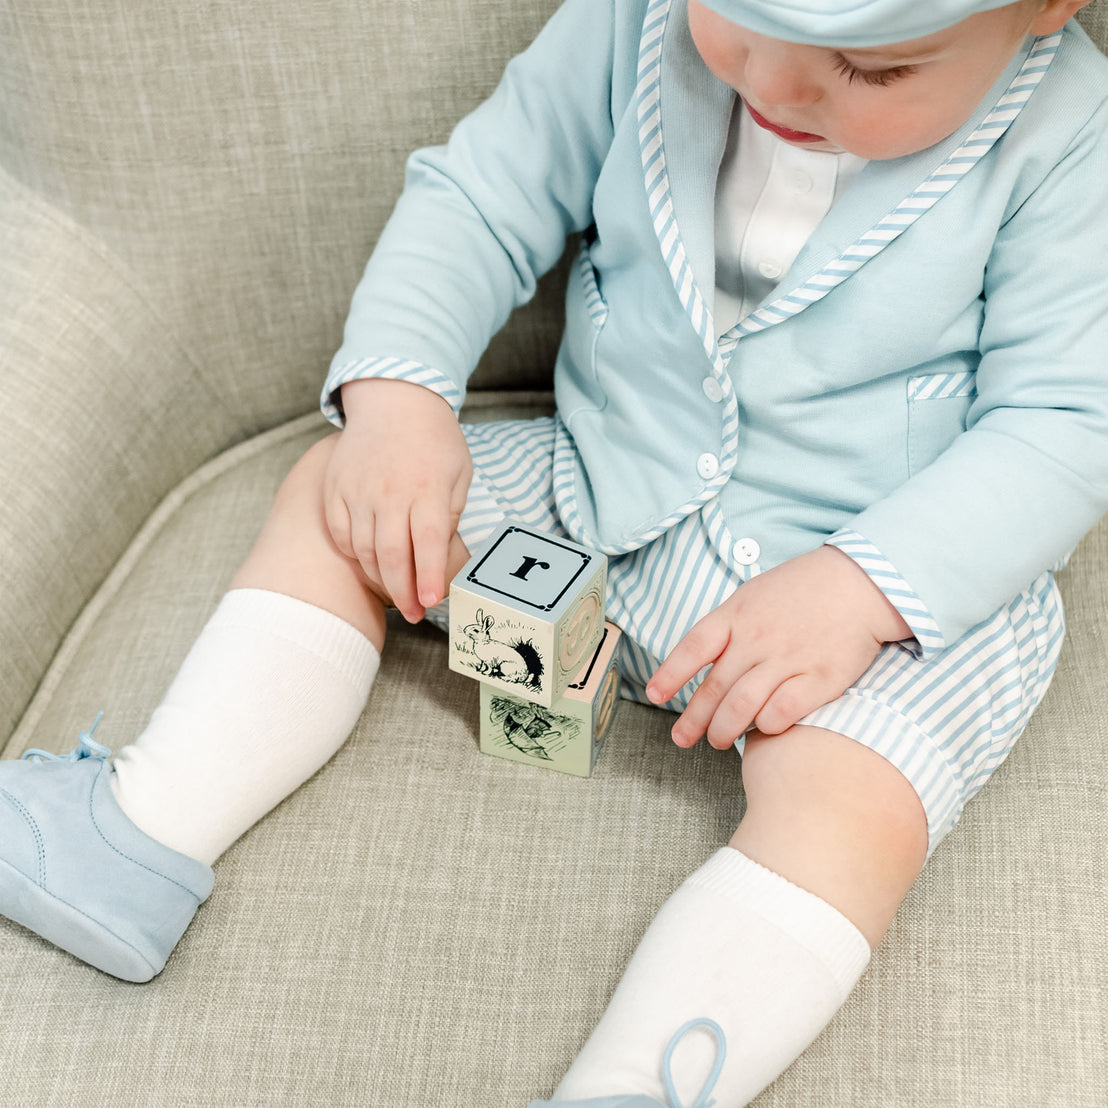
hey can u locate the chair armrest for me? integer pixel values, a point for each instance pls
(100, 415)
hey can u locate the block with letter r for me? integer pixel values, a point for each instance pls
(527, 612)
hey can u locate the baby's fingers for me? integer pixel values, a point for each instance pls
(704, 644)
(724, 706)
(432, 529)
(360, 542)
(792, 700)
(339, 525)
(396, 565)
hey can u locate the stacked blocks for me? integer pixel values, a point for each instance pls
(527, 621)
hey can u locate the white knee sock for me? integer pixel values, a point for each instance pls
(268, 692)
(736, 943)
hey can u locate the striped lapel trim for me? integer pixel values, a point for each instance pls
(656, 175)
(921, 200)
(869, 245)
(656, 178)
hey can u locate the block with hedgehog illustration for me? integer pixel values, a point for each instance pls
(569, 735)
(526, 612)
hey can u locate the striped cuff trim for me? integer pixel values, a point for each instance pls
(896, 590)
(822, 930)
(396, 369)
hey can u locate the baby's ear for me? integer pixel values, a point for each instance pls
(1055, 14)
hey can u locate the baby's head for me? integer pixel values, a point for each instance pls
(878, 78)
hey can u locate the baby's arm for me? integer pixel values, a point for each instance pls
(786, 642)
(480, 220)
(483, 217)
(395, 488)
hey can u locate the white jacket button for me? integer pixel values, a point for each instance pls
(713, 390)
(707, 465)
(747, 551)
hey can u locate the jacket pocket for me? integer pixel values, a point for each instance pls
(595, 304)
(577, 384)
(938, 404)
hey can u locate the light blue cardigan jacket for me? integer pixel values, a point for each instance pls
(927, 387)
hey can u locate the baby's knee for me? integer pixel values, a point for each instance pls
(297, 524)
(835, 818)
(809, 772)
(302, 487)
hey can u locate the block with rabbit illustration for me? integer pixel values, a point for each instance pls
(569, 735)
(526, 612)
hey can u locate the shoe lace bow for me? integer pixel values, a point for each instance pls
(87, 747)
(702, 1100)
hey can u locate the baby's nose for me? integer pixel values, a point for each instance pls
(779, 75)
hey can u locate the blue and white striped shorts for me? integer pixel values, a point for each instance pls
(946, 723)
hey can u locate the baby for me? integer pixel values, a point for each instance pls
(833, 398)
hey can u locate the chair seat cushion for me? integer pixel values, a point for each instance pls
(423, 925)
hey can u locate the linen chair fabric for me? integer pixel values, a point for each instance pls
(187, 196)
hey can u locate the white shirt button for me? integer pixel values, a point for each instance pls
(770, 269)
(801, 182)
(707, 465)
(746, 551)
(713, 390)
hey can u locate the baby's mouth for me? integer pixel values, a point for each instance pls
(786, 133)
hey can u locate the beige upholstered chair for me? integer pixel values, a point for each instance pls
(188, 192)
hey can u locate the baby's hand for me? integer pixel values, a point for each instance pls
(787, 642)
(395, 489)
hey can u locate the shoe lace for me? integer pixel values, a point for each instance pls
(721, 1053)
(87, 747)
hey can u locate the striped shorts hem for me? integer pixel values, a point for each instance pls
(946, 723)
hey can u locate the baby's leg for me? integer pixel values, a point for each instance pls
(295, 556)
(110, 860)
(834, 818)
(271, 688)
(770, 935)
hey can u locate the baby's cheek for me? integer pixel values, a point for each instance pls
(878, 142)
(881, 135)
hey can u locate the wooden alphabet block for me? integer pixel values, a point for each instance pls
(526, 612)
(569, 735)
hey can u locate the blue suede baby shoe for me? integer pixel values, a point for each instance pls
(638, 1100)
(75, 870)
